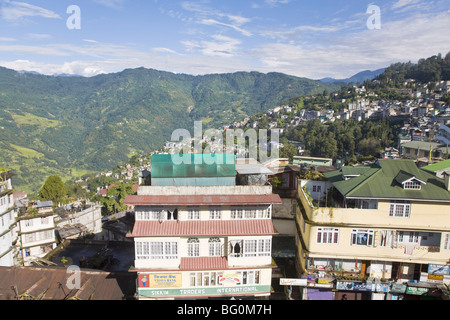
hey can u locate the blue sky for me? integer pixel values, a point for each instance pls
(313, 39)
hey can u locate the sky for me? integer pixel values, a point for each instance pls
(304, 38)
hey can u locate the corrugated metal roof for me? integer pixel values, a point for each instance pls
(50, 283)
(379, 182)
(203, 263)
(203, 199)
(193, 165)
(202, 228)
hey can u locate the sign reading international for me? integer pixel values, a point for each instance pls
(210, 292)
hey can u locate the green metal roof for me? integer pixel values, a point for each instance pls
(381, 181)
(424, 145)
(193, 166)
(442, 165)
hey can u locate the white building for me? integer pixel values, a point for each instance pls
(36, 235)
(202, 236)
(8, 214)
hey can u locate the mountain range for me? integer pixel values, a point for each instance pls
(75, 125)
(359, 77)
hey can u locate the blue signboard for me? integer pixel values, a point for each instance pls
(439, 269)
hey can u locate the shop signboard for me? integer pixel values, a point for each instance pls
(357, 286)
(439, 269)
(418, 291)
(439, 277)
(210, 292)
(293, 282)
(398, 288)
(382, 287)
(310, 278)
(158, 280)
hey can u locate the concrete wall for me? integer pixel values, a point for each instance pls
(210, 190)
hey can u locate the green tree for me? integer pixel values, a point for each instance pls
(53, 189)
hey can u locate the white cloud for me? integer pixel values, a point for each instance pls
(39, 36)
(418, 36)
(215, 22)
(7, 39)
(14, 10)
(114, 4)
(403, 3)
(210, 16)
(274, 3)
(221, 46)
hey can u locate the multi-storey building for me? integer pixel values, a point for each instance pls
(199, 235)
(8, 226)
(37, 236)
(389, 222)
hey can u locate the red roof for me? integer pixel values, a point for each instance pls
(203, 199)
(205, 228)
(50, 283)
(204, 263)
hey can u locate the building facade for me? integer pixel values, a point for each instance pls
(37, 235)
(384, 233)
(198, 235)
(8, 226)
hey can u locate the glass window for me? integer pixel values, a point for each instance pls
(362, 237)
(327, 235)
(193, 213)
(215, 247)
(215, 213)
(400, 208)
(193, 247)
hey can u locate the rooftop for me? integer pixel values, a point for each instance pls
(381, 181)
(192, 228)
(193, 166)
(190, 200)
(49, 283)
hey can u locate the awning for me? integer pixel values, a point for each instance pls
(190, 200)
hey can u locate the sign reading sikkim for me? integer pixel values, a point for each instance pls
(210, 292)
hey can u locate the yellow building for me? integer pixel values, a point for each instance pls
(386, 223)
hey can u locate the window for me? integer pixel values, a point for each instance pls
(257, 248)
(386, 238)
(400, 208)
(412, 185)
(151, 213)
(28, 223)
(237, 213)
(447, 241)
(317, 189)
(249, 277)
(408, 237)
(193, 247)
(215, 213)
(204, 279)
(215, 247)
(156, 250)
(327, 235)
(362, 237)
(236, 248)
(251, 212)
(193, 213)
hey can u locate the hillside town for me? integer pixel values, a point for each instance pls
(300, 228)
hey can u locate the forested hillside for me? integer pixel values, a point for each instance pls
(73, 125)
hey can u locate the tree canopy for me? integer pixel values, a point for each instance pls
(53, 189)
